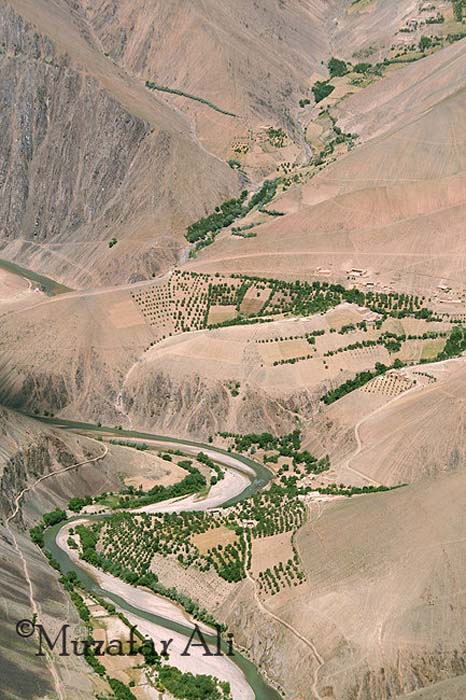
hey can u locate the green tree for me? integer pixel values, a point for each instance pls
(362, 67)
(337, 68)
(321, 90)
(425, 43)
(54, 517)
(458, 9)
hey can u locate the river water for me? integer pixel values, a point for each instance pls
(50, 286)
(262, 691)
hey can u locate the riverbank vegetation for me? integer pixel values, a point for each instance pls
(160, 674)
(204, 231)
(132, 497)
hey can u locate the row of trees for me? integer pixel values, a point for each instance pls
(358, 381)
(187, 686)
(281, 575)
(203, 231)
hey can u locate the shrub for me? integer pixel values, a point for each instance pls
(337, 68)
(76, 504)
(321, 90)
(425, 43)
(121, 691)
(187, 685)
(54, 517)
(362, 67)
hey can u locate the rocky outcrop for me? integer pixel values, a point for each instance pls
(29, 451)
(196, 406)
(89, 155)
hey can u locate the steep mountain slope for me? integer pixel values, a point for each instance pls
(90, 355)
(252, 59)
(90, 155)
(385, 594)
(403, 97)
(453, 689)
(87, 344)
(394, 206)
(29, 451)
(367, 29)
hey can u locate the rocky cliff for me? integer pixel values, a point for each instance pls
(90, 155)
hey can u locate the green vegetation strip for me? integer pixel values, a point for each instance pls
(358, 381)
(60, 561)
(130, 497)
(124, 546)
(204, 231)
(259, 481)
(181, 93)
(185, 686)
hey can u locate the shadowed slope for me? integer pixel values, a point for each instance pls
(91, 155)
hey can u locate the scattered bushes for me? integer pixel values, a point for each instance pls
(277, 137)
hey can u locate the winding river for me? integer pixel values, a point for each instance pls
(259, 476)
(49, 285)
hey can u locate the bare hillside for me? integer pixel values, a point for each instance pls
(240, 224)
(377, 436)
(384, 598)
(252, 59)
(92, 156)
(33, 456)
(392, 207)
(77, 349)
